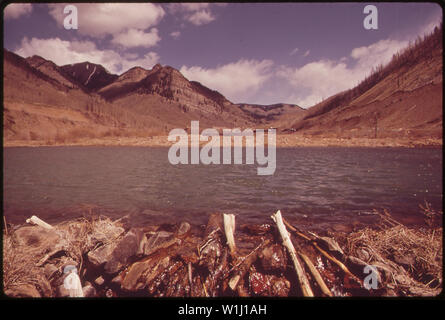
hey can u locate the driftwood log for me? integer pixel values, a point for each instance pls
(229, 229)
(304, 282)
(323, 252)
(39, 222)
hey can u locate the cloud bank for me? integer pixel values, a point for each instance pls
(16, 10)
(63, 52)
(233, 80)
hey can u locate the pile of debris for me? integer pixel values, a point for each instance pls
(98, 257)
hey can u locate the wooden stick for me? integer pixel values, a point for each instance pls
(229, 228)
(39, 222)
(6, 226)
(324, 288)
(304, 283)
(296, 231)
(189, 269)
(327, 255)
(337, 262)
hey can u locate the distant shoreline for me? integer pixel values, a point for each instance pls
(282, 141)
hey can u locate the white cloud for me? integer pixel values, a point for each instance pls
(137, 38)
(324, 78)
(201, 17)
(100, 19)
(174, 7)
(236, 80)
(175, 34)
(306, 53)
(16, 10)
(63, 52)
(195, 13)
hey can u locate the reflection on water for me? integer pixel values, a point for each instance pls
(332, 184)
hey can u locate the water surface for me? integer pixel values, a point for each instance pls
(326, 184)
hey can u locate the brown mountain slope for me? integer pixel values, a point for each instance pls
(43, 102)
(124, 84)
(270, 114)
(92, 76)
(402, 99)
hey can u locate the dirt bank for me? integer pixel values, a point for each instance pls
(287, 140)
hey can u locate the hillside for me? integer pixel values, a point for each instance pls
(47, 103)
(268, 113)
(92, 76)
(401, 99)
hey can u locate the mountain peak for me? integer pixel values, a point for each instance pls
(93, 76)
(157, 67)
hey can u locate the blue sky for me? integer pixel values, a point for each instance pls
(258, 53)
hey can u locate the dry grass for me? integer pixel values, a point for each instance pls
(21, 263)
(18, 266)
(418, 250)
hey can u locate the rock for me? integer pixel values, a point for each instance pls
(134, 272)
(23, 291)
(356, 264)
(99, 281)
(101, 255)
(161, 239)
(132, 244)
(273, 258)
(39, 239)
(145, 271)
(183, 230)
(331, 245)
(114, 256)
(105, 231)
(117, 280)
(88, 290)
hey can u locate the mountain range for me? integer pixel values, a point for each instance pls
(44, 101)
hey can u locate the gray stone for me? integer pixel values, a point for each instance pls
(161, 239)
(99, 281)
(143, 272)
(331, 245)
(357, 266)
(132, 244)
(101, 255)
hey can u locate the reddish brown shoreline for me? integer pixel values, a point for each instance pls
(282, 141)
(183, 260)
